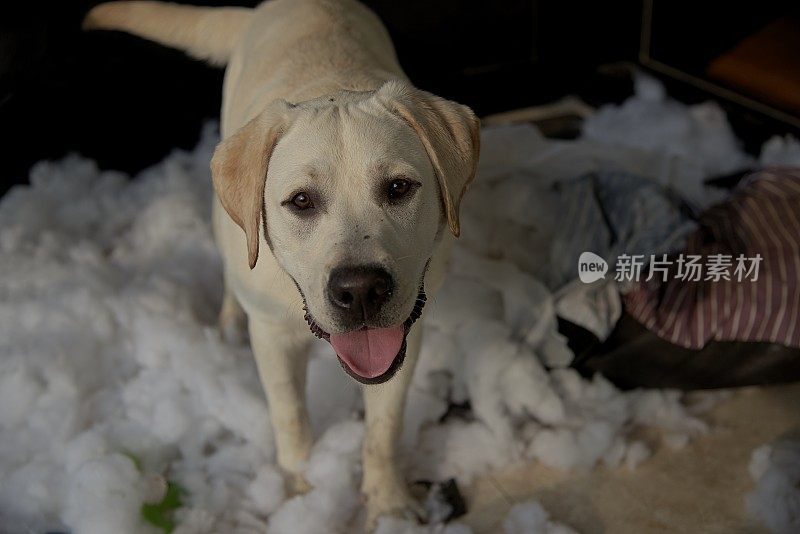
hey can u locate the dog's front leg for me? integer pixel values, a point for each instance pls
(384, 485)
(281, 353)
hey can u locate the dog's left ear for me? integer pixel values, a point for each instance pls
(239, 169)
(450, 134)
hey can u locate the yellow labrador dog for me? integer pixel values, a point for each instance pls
(338, 188)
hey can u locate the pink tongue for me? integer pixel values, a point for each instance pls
(369, 352)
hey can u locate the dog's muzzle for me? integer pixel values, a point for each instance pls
(371, 355)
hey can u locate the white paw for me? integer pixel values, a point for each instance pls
(297, 484)
(393, 499)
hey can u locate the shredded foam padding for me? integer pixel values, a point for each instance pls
(113, 376)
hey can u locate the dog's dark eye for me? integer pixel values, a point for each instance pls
(399, 188)
(302, 201)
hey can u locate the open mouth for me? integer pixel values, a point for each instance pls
(370, 355)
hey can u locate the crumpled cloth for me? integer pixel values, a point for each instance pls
(609, 213)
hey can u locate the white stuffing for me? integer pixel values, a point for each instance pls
(114, 379)
(780, 151)
(690, 143)
(775, 501)
(393, 525)
(530, 518)
(524, 518)
(333, 472)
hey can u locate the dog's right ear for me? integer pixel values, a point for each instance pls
(239, 169)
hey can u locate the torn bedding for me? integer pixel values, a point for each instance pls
(113, 372)
(754, 294)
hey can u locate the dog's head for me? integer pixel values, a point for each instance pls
(352, 192)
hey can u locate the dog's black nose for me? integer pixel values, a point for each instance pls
(359, 292)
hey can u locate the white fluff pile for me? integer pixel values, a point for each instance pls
(775, 501)
(530, 518)
(114, 380)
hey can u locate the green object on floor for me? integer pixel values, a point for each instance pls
(160, 514)
(137, 463)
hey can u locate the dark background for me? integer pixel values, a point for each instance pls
(127, 102)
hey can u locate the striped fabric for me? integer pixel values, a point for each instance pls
(761, 217)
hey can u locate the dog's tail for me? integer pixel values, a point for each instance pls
(206, 33)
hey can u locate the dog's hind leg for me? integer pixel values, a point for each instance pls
(281, 352)
(384, 485)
